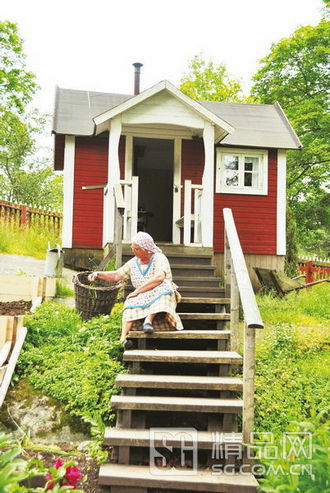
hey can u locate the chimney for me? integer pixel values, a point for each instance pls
(137, 66)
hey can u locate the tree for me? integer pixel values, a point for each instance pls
(296, 74)
(17, 85)
(204, 81)
(24, 177)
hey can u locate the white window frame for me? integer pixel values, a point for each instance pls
(262, 155)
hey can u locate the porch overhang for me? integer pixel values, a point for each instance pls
(221, 127)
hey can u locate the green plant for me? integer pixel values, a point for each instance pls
(62, 290)
(294, 469)
(12, 468)
(73, 361)
(32, 242)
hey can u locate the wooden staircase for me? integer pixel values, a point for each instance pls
(180, 383)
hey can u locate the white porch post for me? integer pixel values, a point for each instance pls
(208, 186)
(69, 156)
(113, 177)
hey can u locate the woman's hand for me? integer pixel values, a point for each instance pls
(92, 277)
(133, 294)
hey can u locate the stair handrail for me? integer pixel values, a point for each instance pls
(238, 286)
(250, 307)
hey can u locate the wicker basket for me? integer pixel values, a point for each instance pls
(93, 299)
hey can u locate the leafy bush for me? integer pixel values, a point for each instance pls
(297, 472)
(13, 470)
(73, 361)
(291, 379)
(51, 322)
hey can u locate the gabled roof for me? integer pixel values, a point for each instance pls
(254, 125)
(170, 88)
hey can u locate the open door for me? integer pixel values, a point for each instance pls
(153, 161)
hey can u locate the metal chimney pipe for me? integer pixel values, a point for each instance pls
(137, 66)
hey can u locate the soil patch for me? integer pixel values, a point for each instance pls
(19, 307)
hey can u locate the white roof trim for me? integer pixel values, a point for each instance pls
(164, 85)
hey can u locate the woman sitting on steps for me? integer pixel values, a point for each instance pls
(155, 296)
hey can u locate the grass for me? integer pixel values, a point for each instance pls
(307, 308)
(292, 358)
(31, 242)
(62, 290)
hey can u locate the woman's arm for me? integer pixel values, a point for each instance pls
(106, 276)
(152, 283)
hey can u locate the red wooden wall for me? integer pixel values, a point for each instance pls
(192, 165)
(91, 168)
(254, 215)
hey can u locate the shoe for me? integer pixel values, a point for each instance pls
(126, 344)
(148, 328)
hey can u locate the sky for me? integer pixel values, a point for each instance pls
(92, 44)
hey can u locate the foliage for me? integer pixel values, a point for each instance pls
(295, 73)
(208, 82)
(62, 290)
(296, 472)
(13, 470)
(73, 361)
(25, 176)
(17, 85)
(308, 308)
(32, 242)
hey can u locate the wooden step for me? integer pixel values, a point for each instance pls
(170, 356)
(201, 480)
(185, 404)
(204, 316)
(210, 281)
(135, 437)
(181, 334)
(191, 270)
(201, 292)
(182, 258)
(202, 301)
(178, 382)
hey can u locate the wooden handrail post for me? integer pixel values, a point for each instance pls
(248, 386)
(227, 266)
(234, 311)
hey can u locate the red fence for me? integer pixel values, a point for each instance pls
(314, 269)
(27, 216)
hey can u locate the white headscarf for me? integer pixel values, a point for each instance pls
(145, 241)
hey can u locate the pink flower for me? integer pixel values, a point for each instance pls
(73, 475)
(59, 463)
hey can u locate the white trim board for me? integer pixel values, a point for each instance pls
(281, 203)
(157, 88)
(68, 179)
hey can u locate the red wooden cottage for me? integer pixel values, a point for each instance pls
(180, 162)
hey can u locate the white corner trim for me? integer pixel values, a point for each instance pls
(281, 203)
(68, 184)
(139, 98)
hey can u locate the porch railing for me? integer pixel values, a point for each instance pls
(192, 220)
(239, 288)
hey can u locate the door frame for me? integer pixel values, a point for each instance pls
(177, 146)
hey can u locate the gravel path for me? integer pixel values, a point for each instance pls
(21, 265)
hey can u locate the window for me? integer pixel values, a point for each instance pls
(242, 171)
